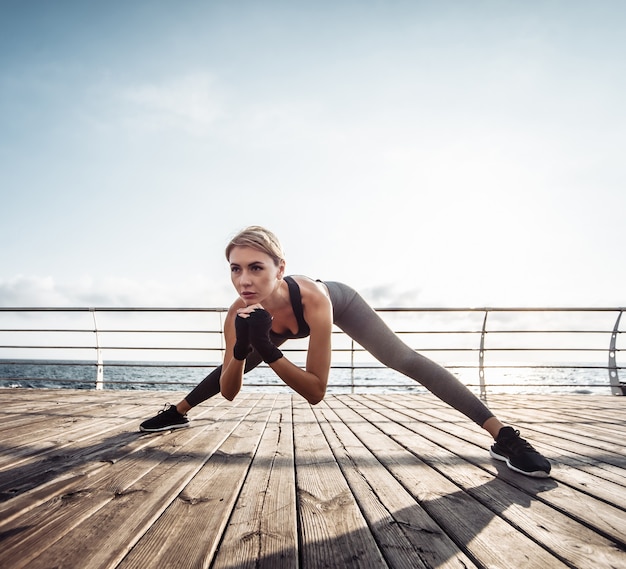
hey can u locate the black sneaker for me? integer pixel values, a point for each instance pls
(519, 454)
(166, 419)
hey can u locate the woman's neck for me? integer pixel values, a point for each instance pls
(279, 299)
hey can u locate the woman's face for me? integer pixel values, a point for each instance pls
(254, 274)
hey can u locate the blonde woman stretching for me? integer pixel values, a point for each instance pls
(272, 308)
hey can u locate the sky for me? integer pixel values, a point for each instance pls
(428, 153)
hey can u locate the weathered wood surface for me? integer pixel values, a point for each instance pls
(372, 481)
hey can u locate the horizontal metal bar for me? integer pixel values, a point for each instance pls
(423, 349)
(338, 350)
(258, 384)
(91, 330)
(399, 332)
(106, 309)
(155, 348)
(358, 367)
(380, 309)
(85, 363)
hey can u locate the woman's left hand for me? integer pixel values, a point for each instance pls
(260, 325)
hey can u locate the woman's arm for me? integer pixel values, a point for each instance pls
(231, 379)
(311, 382)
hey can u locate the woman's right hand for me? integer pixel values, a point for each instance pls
(247, 310)
(260, 325)
(242, 347)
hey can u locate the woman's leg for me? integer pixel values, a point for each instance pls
(210, 385)
(174, 417)
(357, 319)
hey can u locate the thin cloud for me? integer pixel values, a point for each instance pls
(20, 291)
(191, 104)
(392, 295)
(35, 291)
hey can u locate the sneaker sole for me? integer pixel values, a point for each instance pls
(534, 474)
(498, 456)
(168, 428)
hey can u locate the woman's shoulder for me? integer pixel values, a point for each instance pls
(314, 294)
(309, 286)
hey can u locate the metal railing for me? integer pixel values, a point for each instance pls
(475, 341)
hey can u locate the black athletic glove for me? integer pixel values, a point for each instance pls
(242, 348)
(260, 325)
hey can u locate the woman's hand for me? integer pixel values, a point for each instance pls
(247, 310)
(259, 321)
(242, 348)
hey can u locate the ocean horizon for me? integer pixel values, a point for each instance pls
(573, 378)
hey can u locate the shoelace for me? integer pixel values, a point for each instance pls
(517, 444)
(165, 408)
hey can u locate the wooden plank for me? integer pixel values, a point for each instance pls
(75, 458)
(262, 532)
(605, 518)
(478, 530)
(526, 509)
(69, 529)
(33, 489)
(580, 452)
(97, 491)
(579, 433)
(580, 463)
(407, 535)
(85, 445)
(58, 440)
(333, 530)
(605, 407)
(548, 440)
(189, 528)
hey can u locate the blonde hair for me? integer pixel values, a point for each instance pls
(259, 238)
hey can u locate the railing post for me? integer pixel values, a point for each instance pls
(481, 359)
(99, 362)
(351, 365)
(617, 388)
(222, 340)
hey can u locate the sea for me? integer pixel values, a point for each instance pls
(579, 379)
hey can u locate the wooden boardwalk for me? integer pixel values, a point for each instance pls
(267, 481)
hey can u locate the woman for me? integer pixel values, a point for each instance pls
(272, 308)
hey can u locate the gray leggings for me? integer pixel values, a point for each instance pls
(359, 321)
